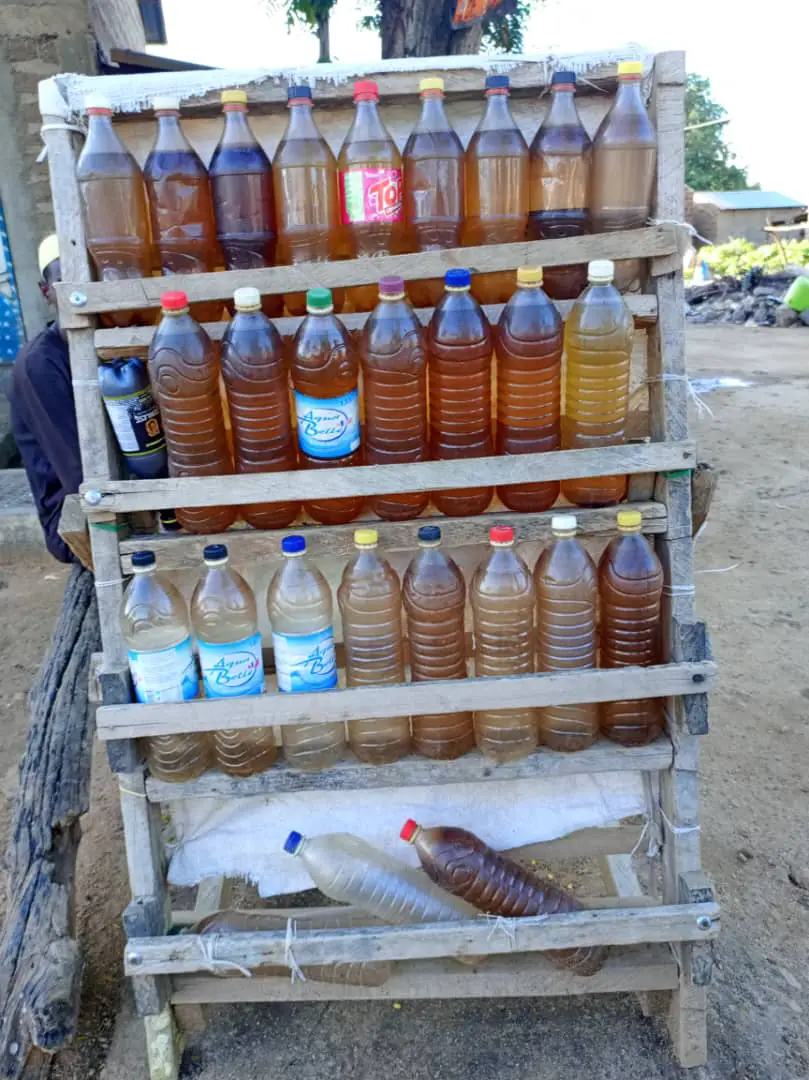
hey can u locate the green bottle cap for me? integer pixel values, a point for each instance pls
(319, 299)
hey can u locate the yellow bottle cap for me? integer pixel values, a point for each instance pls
(366, 537)
(233, 97)
(630, 67)
(629, 519)
(431, 83)
(529, 275)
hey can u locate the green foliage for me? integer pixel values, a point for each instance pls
(503, 29)
(308, 13)
(736, 257)
(709, 162)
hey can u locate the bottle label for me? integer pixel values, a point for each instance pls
(328, 427)
(305, 661)
(136, 422)
(371, 195)
(161, 675)
(232, 670)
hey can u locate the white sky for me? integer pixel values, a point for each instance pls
(737, 52)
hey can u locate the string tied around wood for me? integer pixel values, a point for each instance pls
(702, 406)
(207, 944)
(505, 926)
(295, 973)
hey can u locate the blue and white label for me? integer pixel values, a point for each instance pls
(305, 661)
(328, 427)
(161, 675)
(232, 670)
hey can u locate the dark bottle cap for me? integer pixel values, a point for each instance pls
(429, 534)
(457, 279)
(293, 545)
(299, 92)
(560, 77)
(143, 559)
(215, 553)
(292, 843)
(498, 82)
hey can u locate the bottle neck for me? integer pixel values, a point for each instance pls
(301, 123)
(101, 134)
(497, 114)
(628, 97)
(563, 112)
(143, 571)
(367, 122)
(170, 135)
(433, 117)
(633, 530)
(237, 130)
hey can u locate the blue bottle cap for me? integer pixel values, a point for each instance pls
(429, 534)
(457, 279)
(299, 92)
(292, 843)
(560, 77)
(498, 82)
(143, 558)
(214, 553)
(293, 545)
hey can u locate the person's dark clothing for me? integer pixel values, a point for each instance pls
(43, 420)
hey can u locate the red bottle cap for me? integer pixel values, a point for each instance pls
(366, 90)
(409, 830)
(501, 534)
(173, 301)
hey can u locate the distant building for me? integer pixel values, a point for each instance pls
(726, 215)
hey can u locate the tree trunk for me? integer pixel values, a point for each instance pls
(424, 28)
(323, 39)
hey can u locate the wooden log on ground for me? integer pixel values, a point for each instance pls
(40, 961)
(703, 485)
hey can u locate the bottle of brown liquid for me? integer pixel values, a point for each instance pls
(255, 378)
(433, 186)
(567, 593)
(630, 587)
(465, 866)
(561, 157)
(394, 371)
(528, 344)
(459, 343)
(434, 595)
(624, 161)
(497, 172)
(184, 369)
(180, 204)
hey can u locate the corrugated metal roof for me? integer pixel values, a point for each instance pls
(747, 200)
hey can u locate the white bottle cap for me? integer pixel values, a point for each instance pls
(166, 103)
(601, 271)
(564, 523)
(247, 298)
(97, 101)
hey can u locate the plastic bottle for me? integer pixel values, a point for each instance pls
(370, 599)
(459, 343)
(114, 200)
(497, 174)
(184, 369)
(434, 187)
(465, 866)
(351, 871)
(394, 370)
(180, 204)
(242, 191)
(134, 416)
(434, 597)
(529, 382)
(371, 189)
(307, 197)
(502, 599)
(325, 378)
(156, 628)
(225, 622)
(566, 590)
(630, 587)
(599, 335)
(255, 378)
(624, 161)
(561, 160)
(300, 610)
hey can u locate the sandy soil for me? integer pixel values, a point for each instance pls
(755, 794)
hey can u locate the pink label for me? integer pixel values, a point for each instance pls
(371, 195)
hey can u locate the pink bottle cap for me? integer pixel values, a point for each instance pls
(501, 534)
(173, 301)
(409, 830)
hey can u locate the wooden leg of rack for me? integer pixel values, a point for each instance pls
(163, 1047)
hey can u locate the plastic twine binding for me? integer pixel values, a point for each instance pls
(216, 967)
(703, 408)
(506, 926)
(289, 957)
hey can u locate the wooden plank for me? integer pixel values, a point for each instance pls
(103, 296)
(619, 875)
(639, 967)
(308, 484)
(584, 844)
(182, 551)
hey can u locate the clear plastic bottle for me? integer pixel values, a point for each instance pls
(114, 200)
(567, 636)
(157, 631)
(300, 609)
(599, 335)
(225, 622)
(370, 599)
(351, 871)
(371, 189)
(465, 866)
(497, 174)
(624, 162)
(394, 371)
(255, 377)
(434, 186)
(434, 597)
(307, 197)
(561, 160)
(459, 343)
(184, 369)
(502, 599)
(630, 588)
(325, 378)
(243, 200)
(529, 383)
(180, 204)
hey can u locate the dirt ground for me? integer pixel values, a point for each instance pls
(751, 589)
